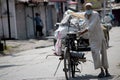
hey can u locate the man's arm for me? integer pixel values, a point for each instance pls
(30, 17)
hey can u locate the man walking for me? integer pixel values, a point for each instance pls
(96, 40)
(39, 25)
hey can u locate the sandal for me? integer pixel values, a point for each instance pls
(107, 75)
(101, 75)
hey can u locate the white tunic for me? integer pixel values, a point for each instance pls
(97, 40)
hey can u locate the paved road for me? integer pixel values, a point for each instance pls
(33, 65)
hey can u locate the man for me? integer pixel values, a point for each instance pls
(107, 18)
(96, 40)
(39, 25)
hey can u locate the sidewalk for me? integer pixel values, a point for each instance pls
(16, 46)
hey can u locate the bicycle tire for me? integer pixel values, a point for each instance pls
(67, 64)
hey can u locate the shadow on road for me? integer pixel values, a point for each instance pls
(6, 66)
(91, 77)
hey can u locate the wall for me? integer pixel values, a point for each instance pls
(20, 21)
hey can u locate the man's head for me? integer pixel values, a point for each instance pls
(37, 14)
(88, 7)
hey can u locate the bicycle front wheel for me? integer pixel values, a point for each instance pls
(67, 64)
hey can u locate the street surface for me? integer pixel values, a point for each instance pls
(33, 65)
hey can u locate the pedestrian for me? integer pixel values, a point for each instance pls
(96, 40)
(107, 18)
(39, 25)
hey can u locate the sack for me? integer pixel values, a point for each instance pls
(58, 46)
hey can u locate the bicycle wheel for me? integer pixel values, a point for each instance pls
(67, 64)
(73, 68)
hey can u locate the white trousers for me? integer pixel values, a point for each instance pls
(100, 56)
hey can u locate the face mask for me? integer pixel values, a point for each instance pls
(88, 12)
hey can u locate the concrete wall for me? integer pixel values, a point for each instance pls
(30, 26)
(20, 21)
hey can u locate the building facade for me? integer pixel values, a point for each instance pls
(19, 26)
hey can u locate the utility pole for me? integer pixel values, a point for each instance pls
(8, 15)
(3, 35)
(104, 8)
(45, 4)
(33, 20)
(110, 7)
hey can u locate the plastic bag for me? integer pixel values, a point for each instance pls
(58, 46)
(62, 30)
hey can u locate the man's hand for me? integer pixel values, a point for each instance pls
(28, 15)
(82, 32)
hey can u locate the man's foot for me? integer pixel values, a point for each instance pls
(101, 75)
(107, 75)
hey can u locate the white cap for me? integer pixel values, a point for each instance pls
(88, 4)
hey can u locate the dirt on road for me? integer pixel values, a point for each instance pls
(15, 46)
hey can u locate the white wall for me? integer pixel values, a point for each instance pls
(30, 23)
(20, 21)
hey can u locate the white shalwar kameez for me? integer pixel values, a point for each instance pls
(97, 41)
